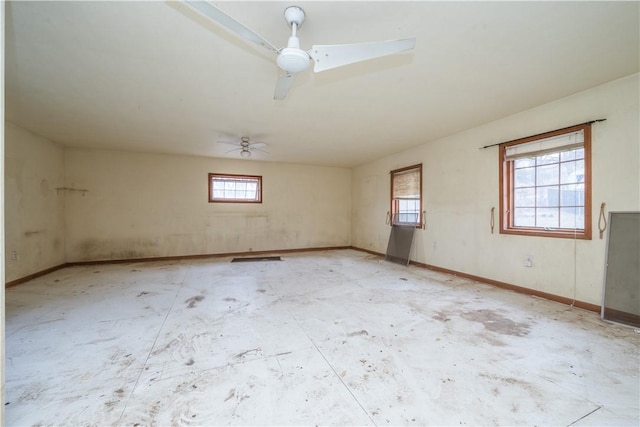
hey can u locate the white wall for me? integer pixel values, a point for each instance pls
(460, 186)
(149, 205)
(34, 209)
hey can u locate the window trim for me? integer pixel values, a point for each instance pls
(393, 207)
(228, 175)
(506, 189)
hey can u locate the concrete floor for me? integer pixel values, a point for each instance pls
(335, 337)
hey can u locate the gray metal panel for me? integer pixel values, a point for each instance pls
(400, 242)
(621, 299)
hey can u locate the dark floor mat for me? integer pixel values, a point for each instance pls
(259, 258)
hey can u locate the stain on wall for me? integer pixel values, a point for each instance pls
(34, 213)
(149, 205)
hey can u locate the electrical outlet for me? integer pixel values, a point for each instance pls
(528, 261)
(435, 246)
(14, 255)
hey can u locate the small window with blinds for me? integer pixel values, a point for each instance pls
(545, 184)
(406, 196)
(235, 188)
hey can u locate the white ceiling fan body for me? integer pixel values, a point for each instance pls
(245, 146)
(292, 59)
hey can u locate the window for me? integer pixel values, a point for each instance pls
(406, 196)
(235, 188)
(545, 184)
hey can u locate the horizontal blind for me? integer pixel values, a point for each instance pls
(567, 141)
(406, 184)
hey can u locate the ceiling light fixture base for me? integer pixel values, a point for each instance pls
(294, 14)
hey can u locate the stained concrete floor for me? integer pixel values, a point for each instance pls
(333, 337)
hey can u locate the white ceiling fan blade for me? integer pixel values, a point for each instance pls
(284, 83)
(259, 150)
(212, 12)
(327, 57)
(257, 144)
(228, 143)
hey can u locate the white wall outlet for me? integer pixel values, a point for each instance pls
(528, 261)
(435, 246)
(14, 255)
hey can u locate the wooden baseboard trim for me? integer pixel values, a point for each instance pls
(204, 256)
(166, 258)
(522, 290)
(46, 271)
(503, 285)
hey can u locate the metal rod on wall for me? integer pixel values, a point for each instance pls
(579, 124)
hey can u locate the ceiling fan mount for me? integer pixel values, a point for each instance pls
(294, 15)
(292, 59)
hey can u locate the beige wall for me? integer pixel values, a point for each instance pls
(34, 208)
(149, 205)
(460, 186)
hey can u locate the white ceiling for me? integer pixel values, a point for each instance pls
(158, 77)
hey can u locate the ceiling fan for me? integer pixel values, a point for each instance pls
(292, 59)
(245, 146)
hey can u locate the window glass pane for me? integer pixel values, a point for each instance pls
(547, 196)
(408, 211)
(548, 217)
(567, 172)
(577, 153)
(524, 162)
(548, 158)
(524, 217)
(579, 172)
(524, 197)
(572, 218)
(572, 195)
(524, 177)
(547, 175)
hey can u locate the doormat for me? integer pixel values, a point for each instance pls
(258, 258)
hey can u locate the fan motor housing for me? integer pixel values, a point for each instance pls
(293, 60)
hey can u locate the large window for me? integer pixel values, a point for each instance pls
(235, 188)
(406, 196)
(546, 184)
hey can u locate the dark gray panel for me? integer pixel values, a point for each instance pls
(259, 258)
(400, 242)
(621, 301)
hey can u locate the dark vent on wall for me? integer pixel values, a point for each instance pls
(256, 259)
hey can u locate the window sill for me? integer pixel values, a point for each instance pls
(562, 234)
